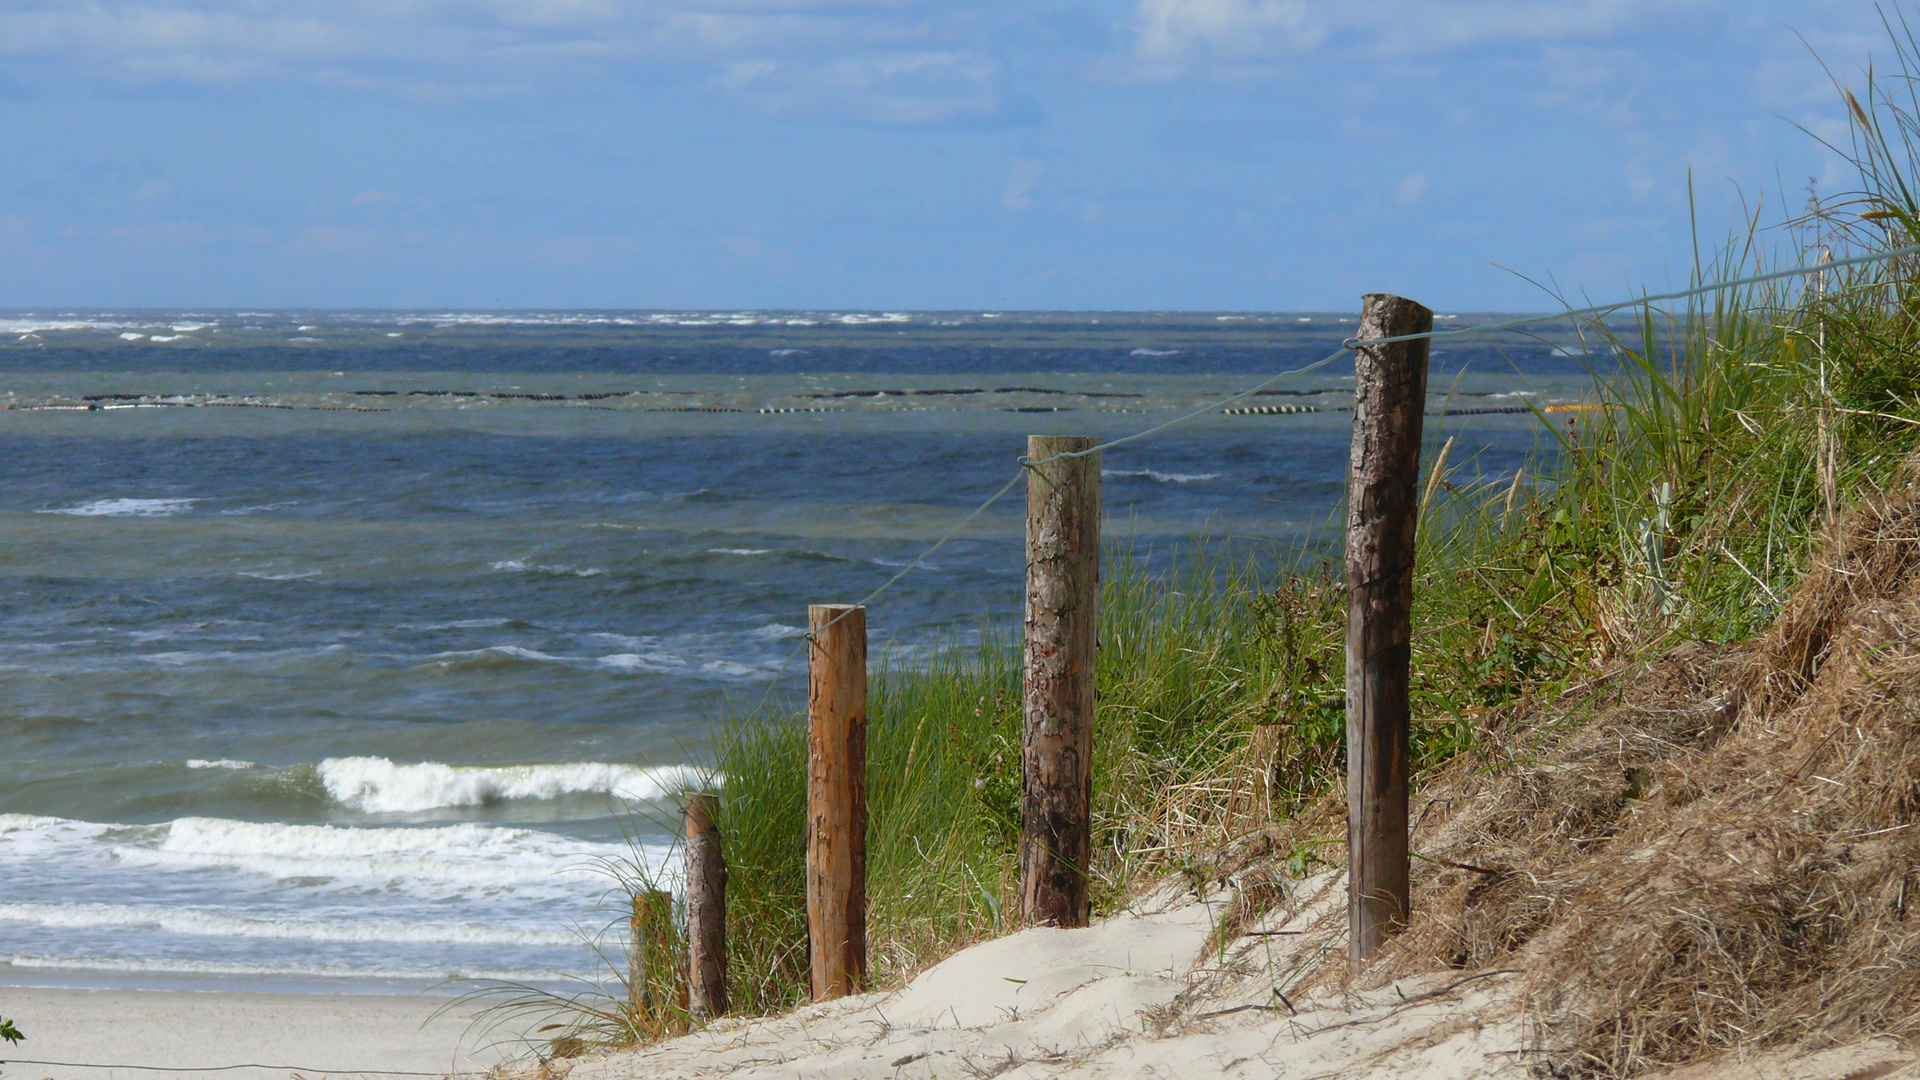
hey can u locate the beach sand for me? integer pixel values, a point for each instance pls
(1137, 997)
(1096, 1003)
(165, 1030)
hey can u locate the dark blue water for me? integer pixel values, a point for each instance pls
(325, 638)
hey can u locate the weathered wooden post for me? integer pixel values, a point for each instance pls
(1389, 405)
(837, 798)
(706, 909)
(1056, 763)
(653, 975)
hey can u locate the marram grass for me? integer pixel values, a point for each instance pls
(1684, 505)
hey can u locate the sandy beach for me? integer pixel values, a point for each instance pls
(173, 1033)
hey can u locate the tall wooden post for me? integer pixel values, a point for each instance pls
(1389, 405)
(706, 909)
(1056, 763)
(837, 798)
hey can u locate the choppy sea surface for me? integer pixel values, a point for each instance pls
(336, 648)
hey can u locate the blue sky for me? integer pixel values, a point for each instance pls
(1185, 154)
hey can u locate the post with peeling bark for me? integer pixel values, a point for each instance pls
(1063, 590)
(1389, 405)
(837, 798)
(706, 909)
(653, 973)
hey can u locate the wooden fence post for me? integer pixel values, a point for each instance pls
(706, 909)
(653, 971)
(837, 798)
(1056, 761)
(1389, 406)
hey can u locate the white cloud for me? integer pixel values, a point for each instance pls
(1172, 30)
(1176, 33)
(887, 61)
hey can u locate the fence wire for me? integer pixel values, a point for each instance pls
(1352, 344)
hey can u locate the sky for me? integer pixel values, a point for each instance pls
(901, 154)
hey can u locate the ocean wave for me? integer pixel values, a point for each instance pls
(31, 325)
(223, 763)
(187, 921)
(523, 567)
(1155, 352)
(378, 785)
(739, 551)
(417, 860)
(157, 966)
(456, 864)
(659, 663)
(127, 508)
(498, 653)
(777, 632)
(469, 624)
(1159, 477)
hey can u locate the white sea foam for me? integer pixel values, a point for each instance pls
(30, 836)
(288, 576)
(1159, 477)
(304, 927)
(128, 508)
(778, 631)
(739, 551)
(223, 763)
(515, 651)
(657, 662)
(131, 336)
(378, 785)
(1156, 352)
(443, 861)
(522, 566)
(497, 869)
(166, 337)
(156, 966)
(31, 325)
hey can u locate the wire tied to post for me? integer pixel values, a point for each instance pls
(1803, 270)
(1351, 344)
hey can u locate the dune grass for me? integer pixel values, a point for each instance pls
(1723, 436)
(1684, 504)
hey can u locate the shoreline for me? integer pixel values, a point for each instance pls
(164, 1034)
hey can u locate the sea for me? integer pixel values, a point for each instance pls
(350, 649)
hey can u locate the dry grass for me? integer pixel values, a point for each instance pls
(1716, 851)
